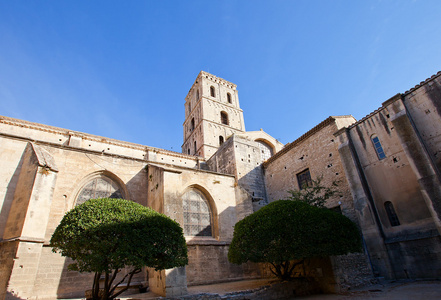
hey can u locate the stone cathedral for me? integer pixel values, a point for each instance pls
(388, 165)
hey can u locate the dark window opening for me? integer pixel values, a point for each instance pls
(229, 98)
(304, 179)
(192, 125)
(391, 214)
(221, 140)
(224, 118)
(195, 148)
(212, 91)
(197, 95)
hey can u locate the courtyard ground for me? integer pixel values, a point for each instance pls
(394, 290)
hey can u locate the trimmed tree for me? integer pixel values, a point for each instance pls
(105, 235)
(285, 233)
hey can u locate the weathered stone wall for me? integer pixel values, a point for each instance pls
(317, 151)
(423, 103)
(208, 263)
(393, 179)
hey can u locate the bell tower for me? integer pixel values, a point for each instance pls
(212, 114)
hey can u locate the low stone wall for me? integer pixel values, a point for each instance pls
(275, 291)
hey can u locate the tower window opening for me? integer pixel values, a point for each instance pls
(192, 124)
(229, 98)
(212, 91)
(197, 95)
(195, 148)
(221, 140)
(224, 118)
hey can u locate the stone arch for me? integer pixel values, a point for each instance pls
(100, 184)
(266, 148)
(210, 204)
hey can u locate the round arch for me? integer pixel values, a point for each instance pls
(267, 149)
(211, 207)
(99, 184)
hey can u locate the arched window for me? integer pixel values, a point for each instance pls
(197, 214)
(221, 140)
(212, 91)
(265, 150)
(378, 147)
(195, 148)
(99, 187)
(188, 150)
(224, 118)
(197, 95)
(192, 124)
(229, 98)
(391, 214)
(189, 107)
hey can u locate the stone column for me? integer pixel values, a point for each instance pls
(27, 222)
(365, 210)
(419, 160)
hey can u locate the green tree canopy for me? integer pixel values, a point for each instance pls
(286, 230)
(106, 235)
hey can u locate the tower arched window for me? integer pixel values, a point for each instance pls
(224, 118)
(197, 95)
(192, 124)
(229, 98)
(197, 214)
(391, 214)
(195, 148)
(100, 186)
(212, 91)
(378, 148)
(221, 140)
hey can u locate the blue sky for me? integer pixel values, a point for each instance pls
(121, 69)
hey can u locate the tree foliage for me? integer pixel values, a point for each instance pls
(284, 231)
(315, 194)
(105, 235)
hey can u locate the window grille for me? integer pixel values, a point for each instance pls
(304, 179)
(100, 187)
(197, 215)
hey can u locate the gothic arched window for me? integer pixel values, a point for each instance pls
(378, 147)
(99, 187)
(224, 118)
(197, 214)
(212, 91)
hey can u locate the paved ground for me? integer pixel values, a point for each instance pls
(398, 290)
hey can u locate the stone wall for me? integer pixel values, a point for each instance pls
(317, 151)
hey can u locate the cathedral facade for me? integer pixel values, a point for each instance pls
(387, 164)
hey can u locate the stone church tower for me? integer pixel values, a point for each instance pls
(212, 114)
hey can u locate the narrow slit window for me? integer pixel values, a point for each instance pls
(378, 148)
(229, 98)
(212, 91)
(221, 140)
(195, 148)
(391, 214)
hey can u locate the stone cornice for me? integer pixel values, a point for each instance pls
(84, 136)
